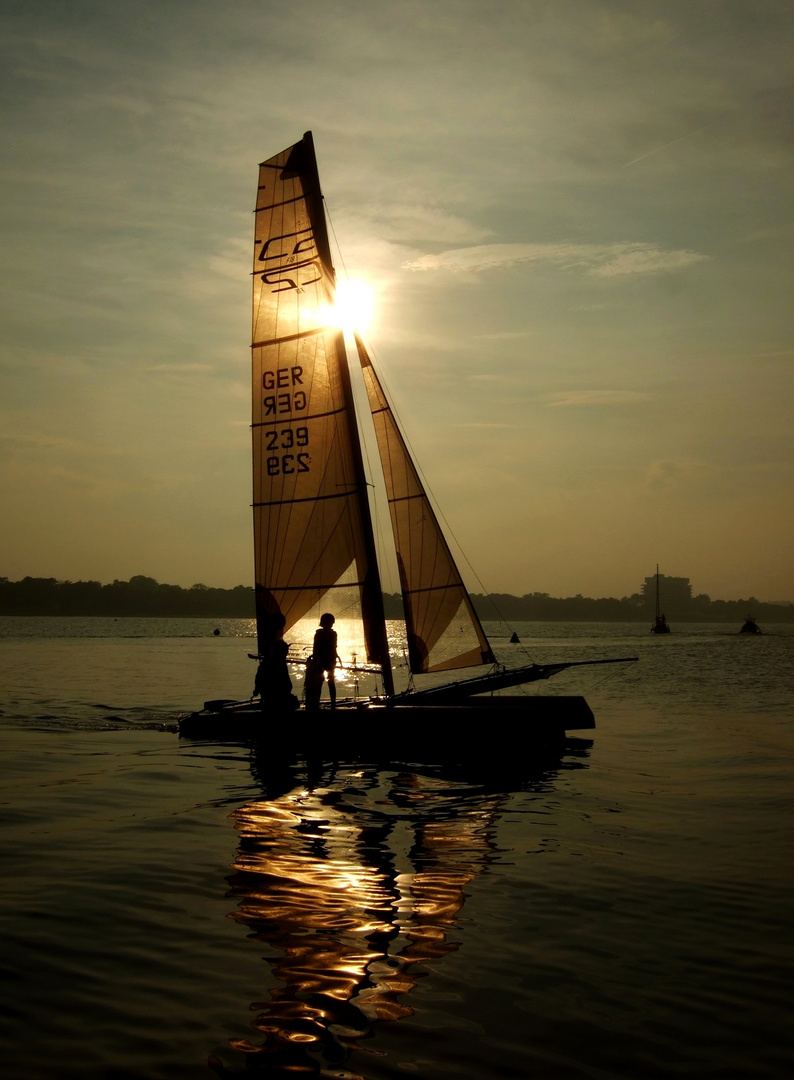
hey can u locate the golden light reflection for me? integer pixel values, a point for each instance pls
(351, 888)
(350, 638)
(354, 307)
(352, 310)
(354, 676)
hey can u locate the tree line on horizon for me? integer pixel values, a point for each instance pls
(144, 597)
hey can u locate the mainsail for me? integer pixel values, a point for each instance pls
(443, 628)
(312, 534)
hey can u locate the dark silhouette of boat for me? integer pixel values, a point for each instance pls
(660, 622)
(750, 626)
(314, 543)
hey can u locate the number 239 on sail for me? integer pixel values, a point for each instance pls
(287, 464)
(286, 439)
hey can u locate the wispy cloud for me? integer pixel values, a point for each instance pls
(489, 426)
(645, 259)
(181, 369)
(658, 149)
(35, 441)
(602, 260)
(580, 398)
(668, 474)
(407, 222)
(504, 335)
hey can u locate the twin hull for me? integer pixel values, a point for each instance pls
(489, 727)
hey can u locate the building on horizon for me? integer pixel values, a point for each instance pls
(675, 593)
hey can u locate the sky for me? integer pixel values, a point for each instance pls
(576, 217)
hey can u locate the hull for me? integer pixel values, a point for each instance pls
(491, 727)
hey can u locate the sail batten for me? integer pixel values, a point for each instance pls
(318, 498)
(290, 337)
(300, 419)
(323, 587)
(273, 206)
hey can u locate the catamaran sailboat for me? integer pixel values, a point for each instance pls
(314, 542)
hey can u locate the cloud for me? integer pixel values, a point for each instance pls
(504, 335)
(579, 398)
(662, 475)
(491, 426)
(645, 259)
(602, 260)
(181, 369)
(659, 149)
(406, 222)
(35, 441)
(588, 397)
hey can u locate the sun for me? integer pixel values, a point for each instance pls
(354, 306)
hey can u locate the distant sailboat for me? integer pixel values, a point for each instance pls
(313, 535)
(660, 622)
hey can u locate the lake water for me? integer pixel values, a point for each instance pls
(186, 909)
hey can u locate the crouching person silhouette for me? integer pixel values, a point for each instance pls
(273, 684)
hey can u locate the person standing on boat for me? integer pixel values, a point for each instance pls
(272, 682)
(321, 664)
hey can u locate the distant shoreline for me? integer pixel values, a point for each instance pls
(143, 597)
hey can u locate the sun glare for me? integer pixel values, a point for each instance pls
(355, 305)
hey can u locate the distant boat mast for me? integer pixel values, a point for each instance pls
(660, 622)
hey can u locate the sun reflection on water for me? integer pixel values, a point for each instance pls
(353, 890)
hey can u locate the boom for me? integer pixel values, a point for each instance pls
(499, 680)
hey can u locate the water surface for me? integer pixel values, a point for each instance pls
(175, 909)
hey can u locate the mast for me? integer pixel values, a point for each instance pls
(372, 609)
(657, 593)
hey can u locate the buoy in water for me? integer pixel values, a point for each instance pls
(514, 639)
